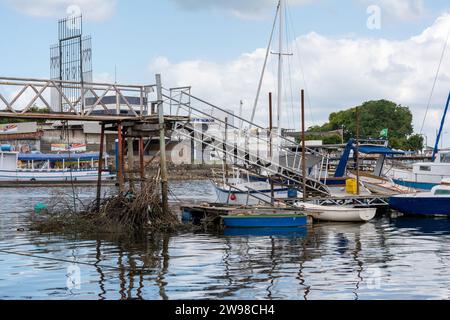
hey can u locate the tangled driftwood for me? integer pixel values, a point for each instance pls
(122, 213)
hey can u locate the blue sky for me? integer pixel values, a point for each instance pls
(218, 48)
(139, 30)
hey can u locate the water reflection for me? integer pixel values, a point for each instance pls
(401, 258)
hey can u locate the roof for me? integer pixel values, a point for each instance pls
(59, 157)
(377, 149)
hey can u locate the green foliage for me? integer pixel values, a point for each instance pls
(34, 109)
(415, 142)
(374, 117)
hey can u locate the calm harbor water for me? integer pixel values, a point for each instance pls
(389, 258)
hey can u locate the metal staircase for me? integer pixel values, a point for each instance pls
(282, 166)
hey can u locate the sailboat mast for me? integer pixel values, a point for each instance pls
(280, 66)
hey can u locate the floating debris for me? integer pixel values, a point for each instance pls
(125, 213)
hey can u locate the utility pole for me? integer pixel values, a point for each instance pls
(162, 147)
(272, 191)
(303, 147)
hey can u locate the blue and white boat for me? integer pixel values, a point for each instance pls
(425, 175)
(265, 221)
(434, 202)
(31, 168)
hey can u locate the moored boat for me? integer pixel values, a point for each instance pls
(35, 168)
(265, 221)
(339, 214)
(435, 202)
(295, 219)
(251, 192)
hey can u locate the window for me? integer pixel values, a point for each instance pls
(445, 158)
(425, 168)
(442, 193)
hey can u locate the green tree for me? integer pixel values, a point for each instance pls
(415, 142)
(374, 117)
(34, 109)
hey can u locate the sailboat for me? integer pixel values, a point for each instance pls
(425, 175)
(244, 188)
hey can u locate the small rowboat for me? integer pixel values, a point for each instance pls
(339, 214)
(265, 221)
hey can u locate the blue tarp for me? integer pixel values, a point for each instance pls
(59, 157)
(373, 149)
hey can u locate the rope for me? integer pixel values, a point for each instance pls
(435, 80)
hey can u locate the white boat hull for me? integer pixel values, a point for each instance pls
(339, 214)
(52, 176)
(261, 195)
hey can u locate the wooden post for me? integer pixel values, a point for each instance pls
(272, 191)
(100, 165)
(130, 159)
(303, 147)
(162, 147)
(141, 159)
(225, 150)
(357, 151)
(120, 152)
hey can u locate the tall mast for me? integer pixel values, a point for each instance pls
(280, 67)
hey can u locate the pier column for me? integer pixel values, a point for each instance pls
(100, 165)
(120, 154)
(130, 159)
(162, 148)
(141, 160)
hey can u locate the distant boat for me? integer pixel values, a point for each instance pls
(31, 168)
(435, 202)
(338, 214)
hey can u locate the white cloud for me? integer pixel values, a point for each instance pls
(95, 10)
(239, 8)
(340, 73)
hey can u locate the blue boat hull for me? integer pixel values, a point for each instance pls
(264, 222)
(421, 206)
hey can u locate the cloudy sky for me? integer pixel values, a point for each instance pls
(341, 55)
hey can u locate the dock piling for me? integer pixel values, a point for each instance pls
(100, 165)
(130, 159)
(120, 148)
(162, 146)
